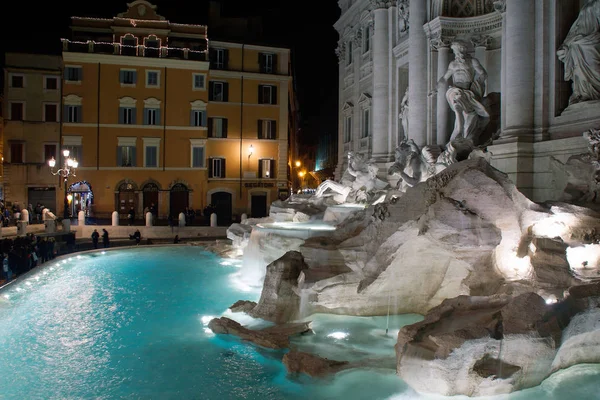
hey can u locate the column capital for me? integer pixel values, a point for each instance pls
(481, 40)
(438, 41)
(500, 5)
(379, 4)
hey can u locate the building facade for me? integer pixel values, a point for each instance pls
(385, 45)
(32, 101)
(155, 113)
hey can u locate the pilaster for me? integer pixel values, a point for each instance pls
(417, 73)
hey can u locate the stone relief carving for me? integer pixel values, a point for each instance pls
(358, 38)
(580, 52)
(340, 52)
(383, 3)
(500, 5)
(579, 177)
(403, 115)
(481, 40)
(366, 69)
(465, 93)
(403, 14)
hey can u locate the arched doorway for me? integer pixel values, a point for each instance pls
(258, 204)
(83, 198)
(150, 192)
(222, 202)
(126, 198)
(179, 199)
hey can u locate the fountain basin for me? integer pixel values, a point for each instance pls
(300, 230)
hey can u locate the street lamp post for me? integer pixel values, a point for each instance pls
(69, 167)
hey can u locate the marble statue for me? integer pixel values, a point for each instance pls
(403, 16)
(358, 184)
(404, 112)
(465, 93)
(579, 177)
(414, 165)
(580, 52)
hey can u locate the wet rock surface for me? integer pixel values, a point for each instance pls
(300, 362)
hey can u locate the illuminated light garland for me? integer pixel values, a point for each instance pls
(91, 192)
(136, 46)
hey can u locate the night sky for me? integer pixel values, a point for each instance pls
(305, 26)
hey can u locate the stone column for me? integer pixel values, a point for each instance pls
(417, 73)
(443, 110)
(481, 44)
(380, 99)
(519, 45)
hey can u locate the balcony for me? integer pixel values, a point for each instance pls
(133, 51)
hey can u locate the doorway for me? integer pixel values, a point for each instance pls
(258, 205)
(126, 199)
(150, 193)
(179, 199)
(222, 203)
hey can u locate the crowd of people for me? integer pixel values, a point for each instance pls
(10, 215)
(23, 253)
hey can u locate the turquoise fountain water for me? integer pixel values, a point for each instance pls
(132, 324)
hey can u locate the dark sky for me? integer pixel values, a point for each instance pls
(305, 26)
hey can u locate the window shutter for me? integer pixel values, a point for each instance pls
(225, 91)
(65, 116)
(274, 64)
(210, 167)
(274, 95)
(223, 169)
(121, 115)
(261, 62)
(158, 116)
(146, 116)
(211, 90)
(272, 169)
(260, 94)
(121, 76)
(134, 77)
(260, 129)
(203, 118)
(66, 74)
(78, 114)
(80, 74)
(79, 154)
(225, 58)
(192, 119)
(133, 115)
(260, 168)
(119, 156)
(210, 127)
(133, 161)
(224, 128)
(273, 129)
(211, 57)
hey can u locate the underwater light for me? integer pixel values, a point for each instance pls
(103, 252)
(338, 335)
(6, 296)
(206, 319)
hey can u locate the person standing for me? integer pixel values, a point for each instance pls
(95, 238)
(131, 216)
(105, 240)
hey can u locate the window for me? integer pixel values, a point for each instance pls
(151, 116)
(348, 129)
(127, 115)
(153, 79)
(50, 112)
(17, 81)
(151, 157)
(50, 152)
(17, 111)
(216, 168)
(349, 53)
(267, 129)
(219, 58)
(366, 39)
(73, 74)
(217, 127)
(75, 152)
(72, 114)
(50, 83)
(16, 153)
(199, 81)
(197, 156)
(125, 156)
(128, 77)
(366, 123)
(218, 91)
(198, 118)
(267, 94)
(266, 168)
(267, 63)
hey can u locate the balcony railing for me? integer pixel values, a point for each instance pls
(135, 51)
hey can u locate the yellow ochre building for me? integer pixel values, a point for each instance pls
(155, 112)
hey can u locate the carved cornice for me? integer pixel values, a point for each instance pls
(438, 41)
(378, 4)
(358, 38)
(481, 40)
(441, 29)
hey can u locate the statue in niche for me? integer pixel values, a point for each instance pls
(579, 177)
(403, 115)
(358, 184)
(403, 15)
(465, 94)
(580, 52)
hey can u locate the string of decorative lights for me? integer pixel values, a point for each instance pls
(136, 46)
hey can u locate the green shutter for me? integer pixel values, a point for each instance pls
(121, 115)
(224, 125)
(133, 160)
(260, 94)
(272, 169)
(274, 58)
(119, 156)
(274, 95)
(260, 129)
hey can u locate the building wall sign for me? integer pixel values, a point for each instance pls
(259, 184)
